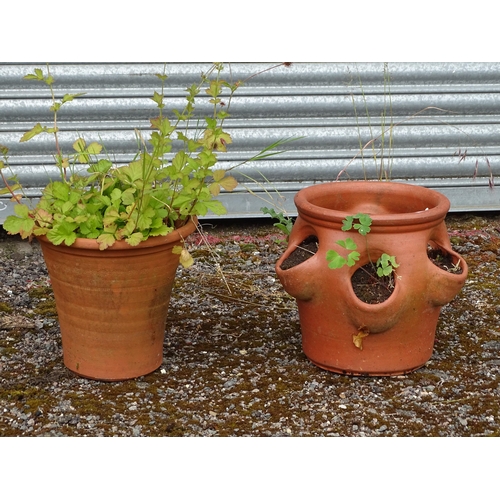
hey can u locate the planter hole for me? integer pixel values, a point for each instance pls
(443, 260)
(371, 288)
(304, 251)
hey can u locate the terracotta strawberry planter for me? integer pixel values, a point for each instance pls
(395, 336)
(112, 305)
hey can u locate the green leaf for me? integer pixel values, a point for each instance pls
(94, 148)
(216, 139)
(102, 166)
(22, 210)
(60, 191)
(386, 264)
(347, 226)
(128, 197)
(38, 75)
(179, 161)
(158, 99)
(134, 239)
(112, 215)
(162, 230)
(364, 219)
(105, 240)
(144, 220)
(348, 244)
(335, 260)
(214, 206)
(23, 224)
(207, 158)
(116, 194)
(56, 107)
(11, 188)
(79, 145)
(67, 207)
(363, 226)
(63, 232)
(229, 183)
(37, 129)
(352, 258)
(70, 97)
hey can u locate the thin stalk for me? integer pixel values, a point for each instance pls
(56, 136)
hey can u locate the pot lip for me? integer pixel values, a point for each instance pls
(305, 206)
(153, 241)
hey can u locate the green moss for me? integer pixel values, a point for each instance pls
(46, 308)
(213, 343)
(7, 351)
(41, 292)
(5, 308)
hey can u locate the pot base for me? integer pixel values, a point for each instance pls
(365, 374)
(104, 378)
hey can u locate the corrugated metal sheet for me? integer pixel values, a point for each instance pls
(442, 111)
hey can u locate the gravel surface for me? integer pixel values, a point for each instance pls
(233, 364)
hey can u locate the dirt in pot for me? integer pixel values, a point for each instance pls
(443, 260)
(303, 252)
(373, 289)
(369, 286)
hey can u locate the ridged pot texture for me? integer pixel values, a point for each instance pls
(112, 304)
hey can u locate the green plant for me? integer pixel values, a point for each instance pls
(284, 223)
(385, 264)
(173, 176)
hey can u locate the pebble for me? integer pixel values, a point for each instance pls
(252, 378)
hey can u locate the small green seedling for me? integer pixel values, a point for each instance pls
(284, 223)
(336, 261)
(363, 225)
(385, 264)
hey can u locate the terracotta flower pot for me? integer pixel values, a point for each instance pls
(397, 335)
(112, 305)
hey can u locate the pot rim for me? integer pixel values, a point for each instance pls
(153, 241)
(436, 204)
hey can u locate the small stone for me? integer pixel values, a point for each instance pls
(230, 383)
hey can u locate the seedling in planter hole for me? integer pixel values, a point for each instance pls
(385, 265)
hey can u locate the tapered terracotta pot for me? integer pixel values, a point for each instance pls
(112, 305)
(397, 334)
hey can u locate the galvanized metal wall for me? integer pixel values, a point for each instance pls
(442, 111)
